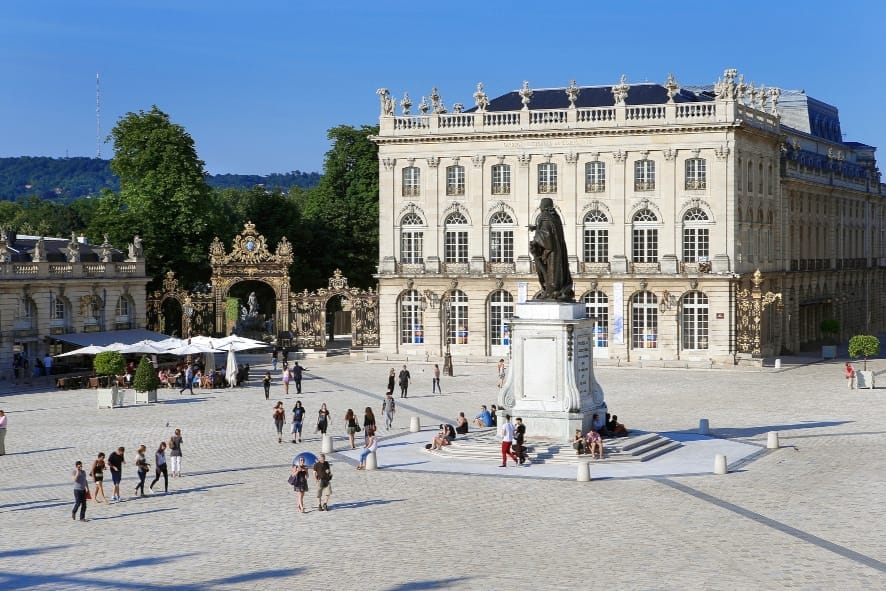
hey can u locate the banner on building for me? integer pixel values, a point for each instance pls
(522, 292)
(618, 319)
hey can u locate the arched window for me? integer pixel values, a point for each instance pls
(595, 177)
(501, 309)
(645, 237)
(455, 241)
(644, 175)
(596, 237)
(696, 174)
(455, 180)
(597, 307)
(457, 320)
(411, 181)
(695, 320)
(501, 179)
(644, 320)
(411, 324)
(411, 238)
(501, 238)
(696, 236)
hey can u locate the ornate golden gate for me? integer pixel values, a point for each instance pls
(309, 315)
(197, 309)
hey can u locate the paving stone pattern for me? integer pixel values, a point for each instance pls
(807, 516)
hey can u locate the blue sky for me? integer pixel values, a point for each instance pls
(257, 84)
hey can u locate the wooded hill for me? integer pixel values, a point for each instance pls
(66, 179)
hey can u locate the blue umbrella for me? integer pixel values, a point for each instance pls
(310, 459)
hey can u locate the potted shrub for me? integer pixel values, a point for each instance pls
(864, 345)
(145, 382)
(829, 328)
(108, 365)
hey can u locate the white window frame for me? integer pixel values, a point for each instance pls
(597, 307)
(696, 174)
(411, 318)
(547, 178)
(644, 237)
(411, 239)
(457, 332)
(455, 180)
(595, 176)
(411, 181)
(455, 238)
(501, 179)
(501, 310)
(644, 320)
(644, 175)
(596, 237)
(695, 313)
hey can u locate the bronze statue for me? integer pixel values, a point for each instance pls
(548, 246)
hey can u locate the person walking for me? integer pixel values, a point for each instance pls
(160, 468)
(519, 435)
(175, 453)
(142, 466)
(298, 418)
(80, 489)
(392, 377)
(388, 408)
(286, 378)
(351, 426)
(370, 447)
(3, 426)
(404, 378)
(299, 480)
(274, 355)
(189, 381)
(115, 463)
(279, 418)
(323, 476)
(850, 376)
(369, 425)
(435, 381)
(323, 419)
(97, 473)
(506, 432)
(296, 376)
(501, 372)
(266, 383)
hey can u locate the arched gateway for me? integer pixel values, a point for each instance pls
(301, 316)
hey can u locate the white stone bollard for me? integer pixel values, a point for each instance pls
(371, 462)
(326, 445)
(772, 440)
(778, 364)
(414, 425)
(704, 427)
(720, 464)
(584, 472)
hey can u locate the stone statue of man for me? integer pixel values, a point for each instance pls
(548, 246)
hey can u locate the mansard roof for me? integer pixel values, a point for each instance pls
(597, 96)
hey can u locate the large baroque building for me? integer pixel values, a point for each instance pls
(703, 223)
(51, 288)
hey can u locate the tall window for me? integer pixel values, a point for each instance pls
(455, 242)
(596, 237)
(501, 238)
(501, 309)
(696, 174)
(696, 236)
(411, 181)
(457, 322)
(122, 308)
(595, 177)
(644, 175)
(501, 179)
(455, 180)
(750, 177)
(59, 309)
(27, 309)
(695, 320)
(760, 179)
(411, 239)
(644, 321)
(547, 177)
(597, 307)
(411, 328)
(770, 179)
(645, 237)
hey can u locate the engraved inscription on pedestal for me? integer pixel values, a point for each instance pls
(583, 366)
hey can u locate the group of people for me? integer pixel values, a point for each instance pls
(298, 478)
(591, 443)
(23, 368)
(167, 460)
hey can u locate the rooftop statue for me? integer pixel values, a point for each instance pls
(548, 246)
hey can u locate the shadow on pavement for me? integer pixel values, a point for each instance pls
(438, 584)
(359, 504)
(737, 432)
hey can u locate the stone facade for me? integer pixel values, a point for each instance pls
(671, 198)
(53, 286)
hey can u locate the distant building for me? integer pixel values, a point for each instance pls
(672, 198)
(51, 287)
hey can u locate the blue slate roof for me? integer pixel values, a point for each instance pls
(594, 96)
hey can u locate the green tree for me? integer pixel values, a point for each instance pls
(342, 211)
(145, 378)
(864, 345)
(109, 363)
(163, 185)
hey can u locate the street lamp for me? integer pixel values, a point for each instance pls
(188, 309)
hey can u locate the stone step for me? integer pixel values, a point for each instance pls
(485, 446)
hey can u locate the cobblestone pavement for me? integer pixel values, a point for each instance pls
(807, 516)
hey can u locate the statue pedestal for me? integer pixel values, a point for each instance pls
(551, 382)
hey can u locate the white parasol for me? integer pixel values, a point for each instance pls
(191, 349)
(144, 347)
(231, 369)
(90, 350)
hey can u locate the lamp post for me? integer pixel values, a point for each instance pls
(188, 309)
